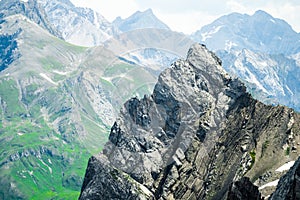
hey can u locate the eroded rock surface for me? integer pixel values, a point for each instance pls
(243, 190)
(197, 133)
(289, 184)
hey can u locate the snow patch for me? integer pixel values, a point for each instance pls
(47, 78)
(296, 57)
(209, 34)
(273, 21)
(229, 45)
(248, 75)
(96, 21)
(285, 167)
(60, 73)
(24, 1)
(50, 169)
(20, 134)
(270, 184)
(289, 90)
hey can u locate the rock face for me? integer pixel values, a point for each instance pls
(289, 184)
(8, 49)
(197, 133)
(31, 9)
(272, 79)
(79, 26)
(242, 190)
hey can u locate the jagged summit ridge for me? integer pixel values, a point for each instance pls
(191, 138)
(156, 131)
(185, 75)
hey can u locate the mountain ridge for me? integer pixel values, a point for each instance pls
(259, 49)
(31, 9)
(58, 101)
(191, 138)
(139, 20)
(80, 26)
(251, 32)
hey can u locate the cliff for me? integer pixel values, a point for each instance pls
(197, 133)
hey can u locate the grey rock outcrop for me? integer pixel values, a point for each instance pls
(197, 133)
(8, 49)
(243, 190)
(289, 184)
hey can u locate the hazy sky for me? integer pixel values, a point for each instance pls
(190, 15)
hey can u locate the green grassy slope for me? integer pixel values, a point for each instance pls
(57, 104)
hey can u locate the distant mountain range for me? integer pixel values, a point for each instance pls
(139, 20)
(79, 26)
(86, 27)
(260, 33)
(261, 50)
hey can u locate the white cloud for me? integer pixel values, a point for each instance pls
(289, 12)
(186, 22)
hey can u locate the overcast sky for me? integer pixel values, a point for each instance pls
(190, 15)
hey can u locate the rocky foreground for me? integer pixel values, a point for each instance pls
(200, 135)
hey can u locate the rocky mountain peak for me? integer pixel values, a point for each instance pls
(200, 54)
(263, 14)
(30, 9)
(149, 11)
(79, 26)
(139, 20)
(191, 138)
(198, 80)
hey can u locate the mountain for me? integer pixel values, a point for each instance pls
(79, 26)
(197, 133)
(261, 50)
(274, 79)
(139, 20)
(58, 100)
(260, 33)
(29, 8)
